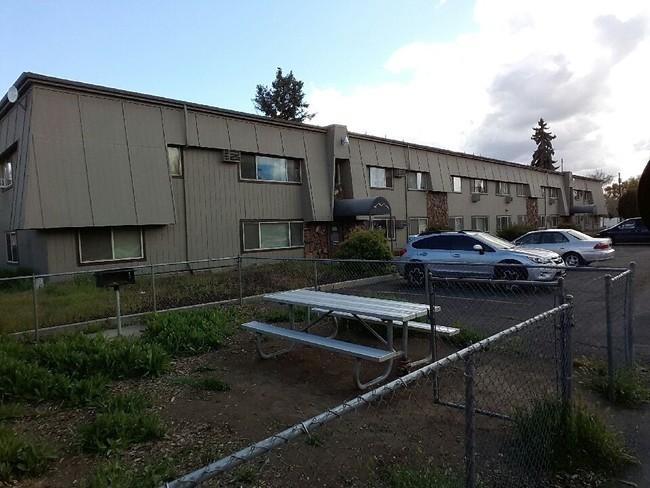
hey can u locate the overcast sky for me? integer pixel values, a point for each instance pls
(470, 76)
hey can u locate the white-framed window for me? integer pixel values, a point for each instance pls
(258, 236)
(385, 225)
(503, 188)
(480, 222)
(523, 190)
(522, 220)
(542, 221)
(456, 184)
(479, 186)
(552, 221)
(503, 222)
(456, 223)
(417, 225)
(553, 192)
(175, 161)
(269, 168)
(381, 177)
(589, 197)
(98, 244)
(12, 247)
(418, 181)
(6, 176)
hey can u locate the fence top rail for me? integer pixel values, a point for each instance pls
(213, 469)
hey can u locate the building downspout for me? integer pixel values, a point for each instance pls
(187, 237)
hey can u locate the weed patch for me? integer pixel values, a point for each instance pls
(561, 436)
(22, 457)
(206, 383)
(116, 474)
(631, 387)
(465, 337)
(406, 477)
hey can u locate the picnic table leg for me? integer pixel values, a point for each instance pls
(356, 374)
(269, 355)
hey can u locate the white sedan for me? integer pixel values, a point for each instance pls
(576, 248)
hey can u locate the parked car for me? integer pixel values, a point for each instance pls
(576, 248)
(630, 230)
(475, 254)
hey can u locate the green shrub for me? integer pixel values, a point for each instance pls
(116, 430)
(365, 244)
(11, 411)
(562, 436)
(512, 232)
(21, 457)
(115, 474)
(191, 332)
(22, 281)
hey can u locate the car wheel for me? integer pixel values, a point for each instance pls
(511, 273)
(414, 274)
(572, 260)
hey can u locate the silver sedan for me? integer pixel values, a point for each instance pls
(576, 248)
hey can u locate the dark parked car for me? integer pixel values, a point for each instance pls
(630, 230)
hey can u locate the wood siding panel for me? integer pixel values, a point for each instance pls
(107, 162)
(269, 140)
(242, 136)
(398, 156)
(58, 158)
(174, 127)
(358, 169)
(318, 181)
(213, 131)
(293, 144)
(384, 157)
(154, 203)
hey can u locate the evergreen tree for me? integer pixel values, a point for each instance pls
(543, 155)
(284, 100)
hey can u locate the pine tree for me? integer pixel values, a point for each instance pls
(543, 155)
(284, 100)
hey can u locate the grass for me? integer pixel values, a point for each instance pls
(631, 384)
(204, 383)
(420, 477)
(21, 457)
(563, 436)
(465, 337)
(11, 411)
(115, 474)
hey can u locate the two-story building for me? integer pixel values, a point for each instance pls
(93, 177)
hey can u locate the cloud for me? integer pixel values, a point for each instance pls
(584, 70)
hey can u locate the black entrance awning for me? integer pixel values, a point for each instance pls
(582, 209)
(361, 206)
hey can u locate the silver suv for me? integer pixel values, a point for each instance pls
(477, 255)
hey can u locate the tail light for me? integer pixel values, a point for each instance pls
(402, 252)
(602, 246)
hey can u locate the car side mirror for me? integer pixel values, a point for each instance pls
(478, 248)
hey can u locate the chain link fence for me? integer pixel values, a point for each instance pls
(456, 421)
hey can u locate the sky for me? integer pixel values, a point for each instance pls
(473, 76)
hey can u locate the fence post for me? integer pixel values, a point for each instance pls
(241, 281)
(35, 296)
(566, 350)
(433, 336)
(153, 289)
(315, 275)
(610, 345)
(629, 294)
(470, 445)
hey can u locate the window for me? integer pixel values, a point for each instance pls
(480, 223)
(417, 225)
(522, 220)
(503, 188)
(6, 178)
(523, 190)
(456, 184)
(12, 247)
(551, 221)
(387, 226)
(554, 193)
(175, 161)
(589, 197)
(272, 235)
(381, 177)
(418, 181)
(268, 168)
(503, 222)
(110, 244)
(456, 223)
(479, 186)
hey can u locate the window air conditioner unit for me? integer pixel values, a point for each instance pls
(230, 156)
(551, 201)
(476, 197)
(399, 173)
(508, 199)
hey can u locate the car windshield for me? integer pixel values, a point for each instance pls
(578, 235)
(496, 242)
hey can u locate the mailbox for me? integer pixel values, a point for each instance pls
(112, 278)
